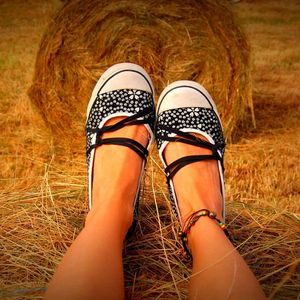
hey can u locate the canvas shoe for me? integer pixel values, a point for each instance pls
(126, 90)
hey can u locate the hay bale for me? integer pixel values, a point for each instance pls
(197, 40)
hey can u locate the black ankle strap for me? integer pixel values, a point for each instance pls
(187, 138)
(132, 120)
(126, 142)
(176, 165)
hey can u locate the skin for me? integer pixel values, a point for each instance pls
(92, 267)
(219, 271)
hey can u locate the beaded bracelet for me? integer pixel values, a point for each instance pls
(191, 220)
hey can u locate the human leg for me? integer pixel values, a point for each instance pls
(219, 271)
(92, 267)
(188, 125)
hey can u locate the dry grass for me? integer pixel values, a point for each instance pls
(43, 195)
(198, 40)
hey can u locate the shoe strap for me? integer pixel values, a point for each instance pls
(131, 120)
(187, 138)
(130, 143)
(176, 165)
(127, 142)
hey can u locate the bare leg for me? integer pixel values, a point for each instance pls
(219, 271)
(92, 267)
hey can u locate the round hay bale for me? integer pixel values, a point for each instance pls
(172, 40)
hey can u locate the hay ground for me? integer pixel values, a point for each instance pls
(43, 194)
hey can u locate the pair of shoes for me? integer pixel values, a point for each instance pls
(184, 108)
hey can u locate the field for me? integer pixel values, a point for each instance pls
(43, 188)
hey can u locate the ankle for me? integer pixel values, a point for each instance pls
(211, 202)
(197, 187)
(118, 183)
(116, 175)
(204, 229)
(115, 213)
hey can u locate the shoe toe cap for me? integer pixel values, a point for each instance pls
(185, 93)
(126, 76)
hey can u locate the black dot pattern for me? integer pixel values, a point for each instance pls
(126, 100)
(199, 118)
(119, 101)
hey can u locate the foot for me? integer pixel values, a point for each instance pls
(185, 108)
(197, 185)
(115, 155)
(116, 172)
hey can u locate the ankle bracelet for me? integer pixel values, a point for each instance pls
(191, 220)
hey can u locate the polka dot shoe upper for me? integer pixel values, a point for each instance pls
(119, 102)
(123, 90)
(185, 107)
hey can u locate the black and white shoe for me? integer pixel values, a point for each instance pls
(124, 89)
(185, 107)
